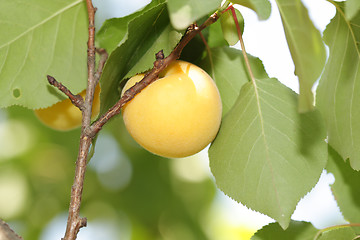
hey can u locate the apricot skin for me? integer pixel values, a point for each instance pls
(176, 116)
(64, 116)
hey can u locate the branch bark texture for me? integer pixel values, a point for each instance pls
(6, 233)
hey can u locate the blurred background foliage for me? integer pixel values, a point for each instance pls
(129, 193)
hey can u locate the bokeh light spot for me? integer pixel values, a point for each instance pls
(13, 192)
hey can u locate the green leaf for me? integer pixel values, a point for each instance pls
(346, 186)
(267, 155)
(216, 37)
(229, 28)
(147, 34)
(338, 94)
(227, 68)
(114, 30)
(296, 231)
(41, 37)
(306, 48)
(352, 7)
(261, 7)
(185, 12)
(340, 233)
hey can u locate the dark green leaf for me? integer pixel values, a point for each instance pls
(346, 186)
(338, 94)
(40, 37)
(147, 34)
(185, 12)
(296, 231)
(261, 7)
(114, 30)
(267, 155)
(306, 47)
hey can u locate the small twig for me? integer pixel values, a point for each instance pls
(6, 233)
(77, 100)
(103, 57)
(159, 65)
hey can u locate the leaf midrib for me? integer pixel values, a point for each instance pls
(262, 123)
(348, 23)
(41, 23)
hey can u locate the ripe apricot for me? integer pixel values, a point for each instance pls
(64, 116)
(177, 115)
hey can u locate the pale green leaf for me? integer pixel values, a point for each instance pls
(338, 94)
(229, 27)
(227, 68)
(261, 7)
(147, 34)
(346, 186)
(40, 38)
(352, 7)
(340, 233)
(185, 12)
(306, 47)
(267, 155)
(296, 231)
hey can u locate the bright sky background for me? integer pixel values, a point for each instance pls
(265, 40)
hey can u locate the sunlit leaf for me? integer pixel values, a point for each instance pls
(352, 7)
(261, 7)
(346, 186)
(267, 155)
(147, 34)
(306, 48)
(41, 37)
(227, 68)
(338, 95)
(296, 231)
(185, 12)
(229, 27)
(341, 233)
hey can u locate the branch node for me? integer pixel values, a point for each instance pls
(160, 55)
(82, 222)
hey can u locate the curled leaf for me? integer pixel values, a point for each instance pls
(229, 26)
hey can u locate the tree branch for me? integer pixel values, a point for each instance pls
(75, 222)
(6, 233)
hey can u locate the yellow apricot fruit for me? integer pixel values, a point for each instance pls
(176, 116)
(64, 116)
